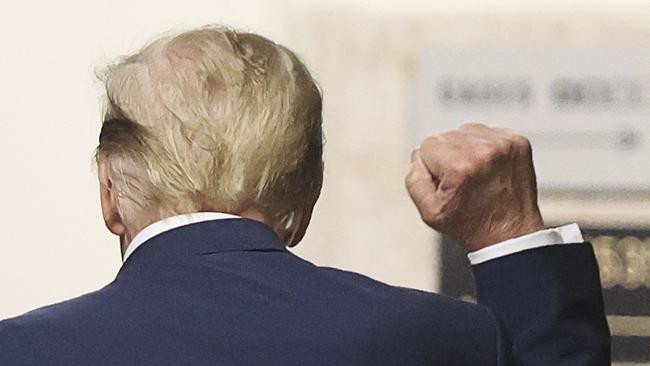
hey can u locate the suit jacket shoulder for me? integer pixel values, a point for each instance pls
(437, 329)
(228, 293)
(53, 334)
(345, 318)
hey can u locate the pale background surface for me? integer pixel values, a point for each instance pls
(54, 245)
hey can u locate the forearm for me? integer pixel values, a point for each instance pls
(549, 303)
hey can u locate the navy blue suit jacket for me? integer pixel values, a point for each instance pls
(227, 292)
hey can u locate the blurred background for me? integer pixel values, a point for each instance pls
(573, 76)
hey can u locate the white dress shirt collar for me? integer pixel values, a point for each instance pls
(170, 223)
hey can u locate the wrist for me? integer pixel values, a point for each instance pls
(498, 232)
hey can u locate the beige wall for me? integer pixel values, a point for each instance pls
(54, 245)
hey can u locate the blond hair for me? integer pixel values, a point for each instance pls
(213, 120)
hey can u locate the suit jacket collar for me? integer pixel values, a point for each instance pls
(170, 223)
(208, 237)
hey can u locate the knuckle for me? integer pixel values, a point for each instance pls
(431, 216)
(437, 217)
(444, 137)
(483, 161)
(521, 144)
(472, 126)
(502, 146)
(516, 138)
(452, 138)
(464, 169)
(486, 152)
(503, 131)
(430, 143)
(415, 153)
(410, 179)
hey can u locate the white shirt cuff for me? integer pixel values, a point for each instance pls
(568, 234)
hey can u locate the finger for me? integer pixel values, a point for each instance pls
(423, 189)
(468, 139)
(414, 154)
(442, 154)
(420, 183)
(474, 126)
(481, 131)
(486, 143)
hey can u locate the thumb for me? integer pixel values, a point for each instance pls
(421, 185)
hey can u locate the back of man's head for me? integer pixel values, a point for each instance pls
(213, 120)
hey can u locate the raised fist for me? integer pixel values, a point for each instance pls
(476, 184)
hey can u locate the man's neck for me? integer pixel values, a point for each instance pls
(129, 242)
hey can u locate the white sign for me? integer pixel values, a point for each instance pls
(586, 111)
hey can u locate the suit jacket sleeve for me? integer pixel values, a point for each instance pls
(548, 303)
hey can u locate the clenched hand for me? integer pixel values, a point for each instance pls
(476, 184)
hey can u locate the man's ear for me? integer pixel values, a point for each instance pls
(297, 235)
(108, 197)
